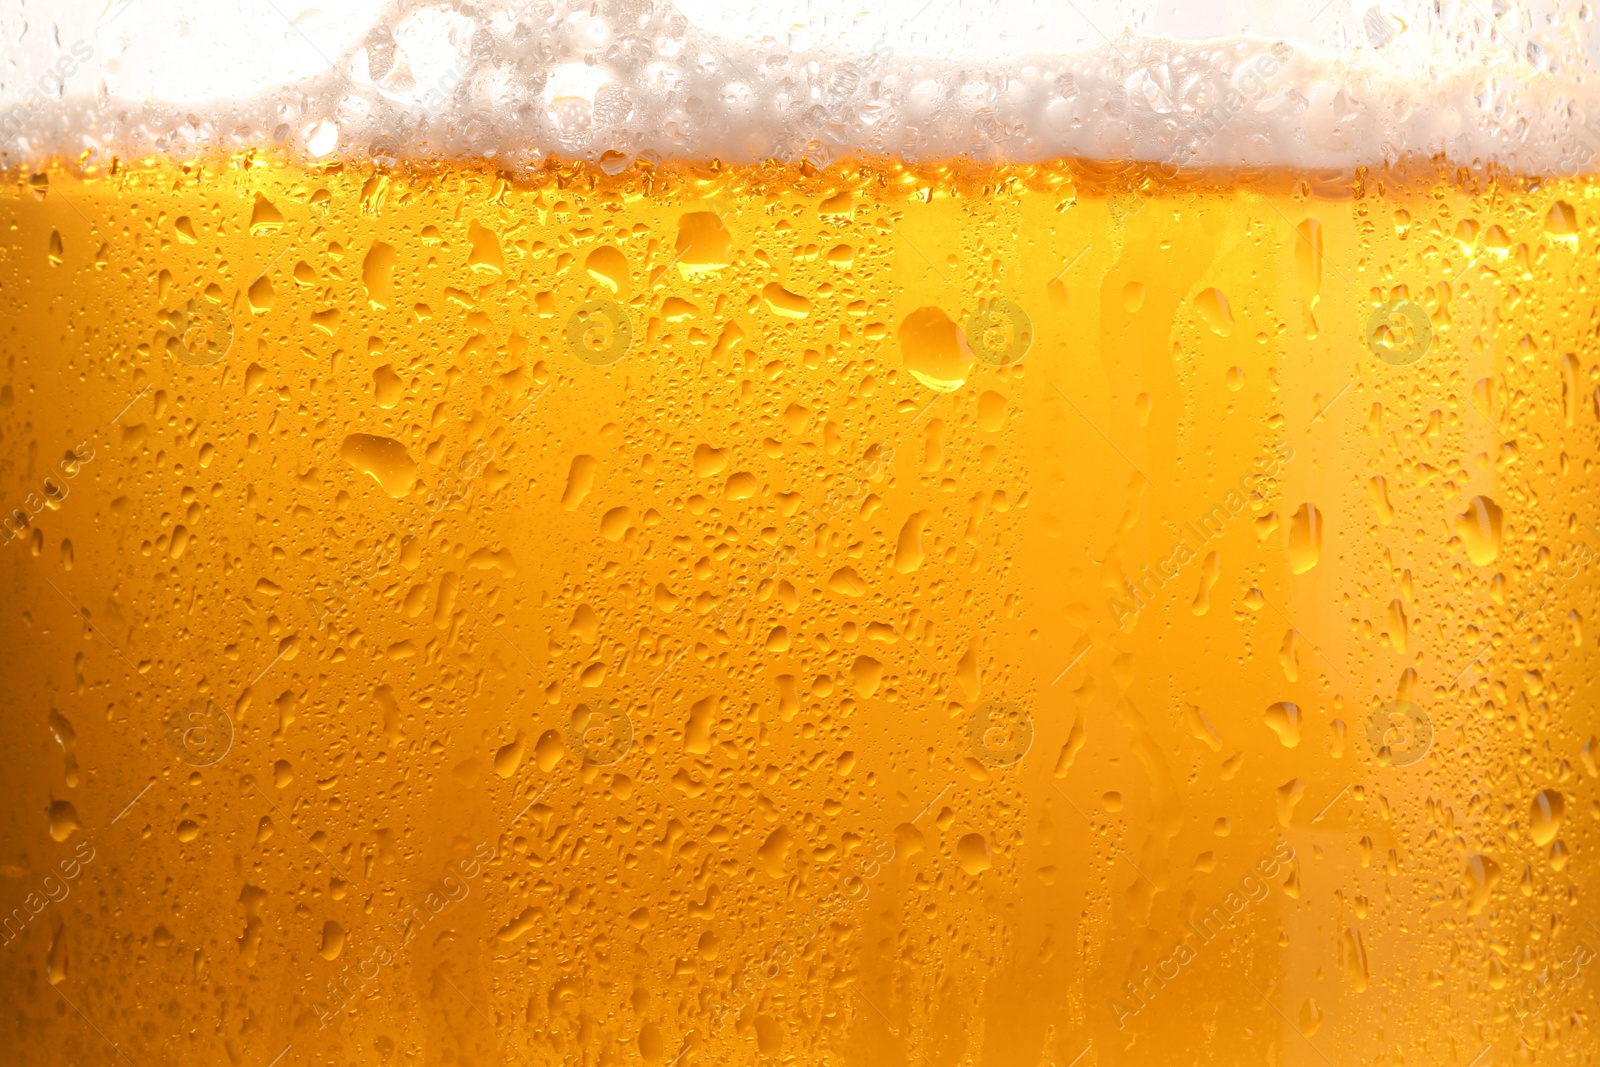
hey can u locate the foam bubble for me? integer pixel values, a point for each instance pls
(1216, 83)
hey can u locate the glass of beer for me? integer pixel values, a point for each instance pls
(682, 534)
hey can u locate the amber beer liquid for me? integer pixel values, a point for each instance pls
(879, 614)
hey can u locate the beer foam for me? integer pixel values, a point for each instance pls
(1205, 83)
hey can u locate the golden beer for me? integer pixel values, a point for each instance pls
(727, 614)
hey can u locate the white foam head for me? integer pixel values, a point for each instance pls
(1192, 82)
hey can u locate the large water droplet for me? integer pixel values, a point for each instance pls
(1284, 718)
(1305, 538)
(1548, 808)
(972, 852)
(1482, 875)
(932, 348)
(1214, 311)
(1479, 530)
(384, 458)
